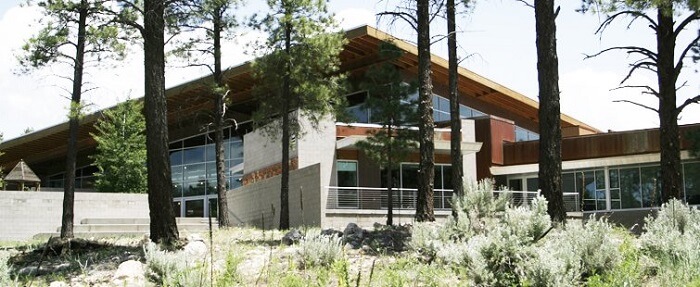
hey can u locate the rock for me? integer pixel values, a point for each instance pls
(58, 284)
(129, 273)
(195, 237)
(195, 248)
(332, 232)
(29, 270)
(353, 234)
(293, 236)
(61, 267)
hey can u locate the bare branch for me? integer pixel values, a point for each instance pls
(693, 100)
(526, 3)
(630, 50)
(688, 48)
(636, 104)
(410, 19)
(635, 15)
(639, 65)
(685, 22)
(649, 90)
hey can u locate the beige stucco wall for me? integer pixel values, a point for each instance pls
(24, 214)
(258, 204)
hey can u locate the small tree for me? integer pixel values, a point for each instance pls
(121, 149)
(299, 73)
(390, 105)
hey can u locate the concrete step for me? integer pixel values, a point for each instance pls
(106, 234)
(179, 220)
(135, 227)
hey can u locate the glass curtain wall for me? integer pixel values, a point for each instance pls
(622, 187)
(193, 169)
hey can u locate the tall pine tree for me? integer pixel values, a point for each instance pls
(73, 32)
(299, 73)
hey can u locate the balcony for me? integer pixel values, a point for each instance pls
(369, 198)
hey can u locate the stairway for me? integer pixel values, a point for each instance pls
(118, 227)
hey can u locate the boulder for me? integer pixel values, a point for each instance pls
(293, 236)
(195, 248)
(129, 273)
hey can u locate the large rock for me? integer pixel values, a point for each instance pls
(293, 236)
(354, 235)
(196, 248)
(129, 273)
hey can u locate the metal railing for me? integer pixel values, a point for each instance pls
(371, 198)
(572, 201)
(377, 198)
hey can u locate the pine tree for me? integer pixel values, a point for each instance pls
(299, 73)
(668, 19)
(549, 173)
(121, 149)
(80, 27)
(388, 99)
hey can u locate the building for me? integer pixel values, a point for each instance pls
(332, 182)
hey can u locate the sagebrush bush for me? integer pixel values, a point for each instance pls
(5, 278)
(671, 242)
(597, 243)
(175, 268)
(320, 250)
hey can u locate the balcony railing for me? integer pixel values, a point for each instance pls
(405, 198)
(377, 198)
(572, 202)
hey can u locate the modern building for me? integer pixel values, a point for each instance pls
(333, 182)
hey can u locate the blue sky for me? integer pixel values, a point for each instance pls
(497, 36)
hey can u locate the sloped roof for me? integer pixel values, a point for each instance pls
(22, 173)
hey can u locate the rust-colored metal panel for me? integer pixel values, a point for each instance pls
(596, 146)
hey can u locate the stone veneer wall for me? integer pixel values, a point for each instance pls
(258, 204)
(24, 214)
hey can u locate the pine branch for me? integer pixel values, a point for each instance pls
(630, 50)
(693, 100)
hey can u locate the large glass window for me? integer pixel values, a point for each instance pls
(193, 165)
(589, 184)
(691, 182)
(347, 177)
(630, 190)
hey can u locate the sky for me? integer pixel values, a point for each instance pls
(496, 39)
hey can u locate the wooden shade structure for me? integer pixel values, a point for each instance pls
(20, 175)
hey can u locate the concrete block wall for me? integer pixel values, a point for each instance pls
(469, 160)
(260, 151)
(24, 214)
(258, 204)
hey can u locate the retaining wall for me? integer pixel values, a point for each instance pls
(24, 213)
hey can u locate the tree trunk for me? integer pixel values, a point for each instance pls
(389, 181)
(219, 117)
(160, 200)
(455, 119)
(73, 125)
(549, 111)
(668, 114)
(286, 94)
(426, 170)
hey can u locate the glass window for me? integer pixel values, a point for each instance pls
(210, 153)
(465, 112)
(651, 186)
(447, 177)
(194, 172)
(533, 184)
(193, 155)
(568, 182)
(630, 191)
(176, 157)
(409, 175)
(691, 180)
(437, 177)
(194, 208)
(347, 173)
